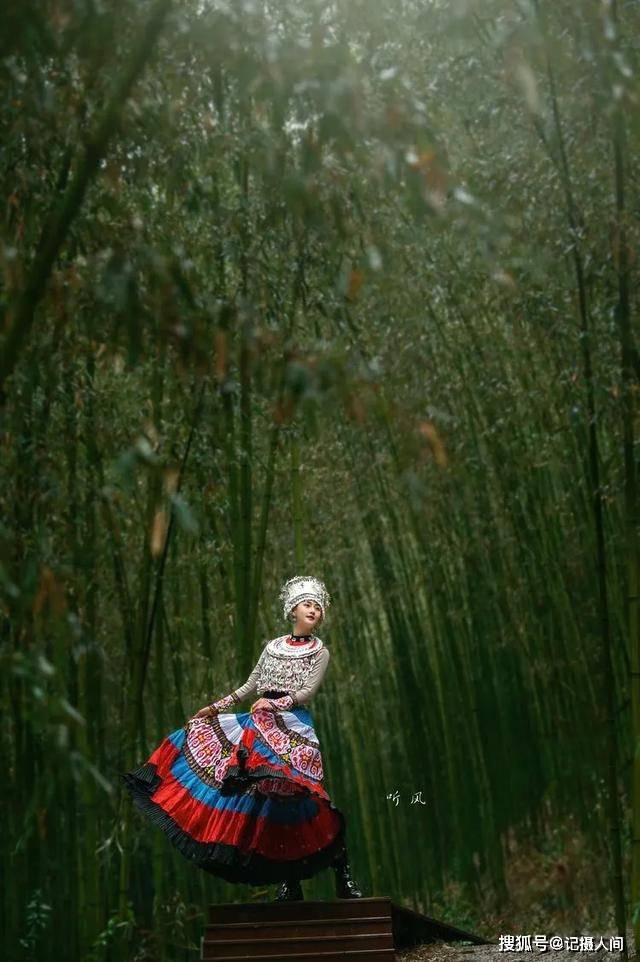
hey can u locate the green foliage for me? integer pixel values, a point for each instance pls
(116, 929)
(38, 918)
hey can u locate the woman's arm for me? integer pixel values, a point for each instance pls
(309, 688)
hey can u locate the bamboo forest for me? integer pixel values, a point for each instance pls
(345, 290)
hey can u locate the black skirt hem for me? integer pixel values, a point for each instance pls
(226, 861)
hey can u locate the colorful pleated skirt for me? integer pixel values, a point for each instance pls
(242, 796)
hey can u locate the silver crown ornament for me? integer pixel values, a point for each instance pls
(303, 588)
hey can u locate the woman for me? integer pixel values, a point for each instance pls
(242, 795)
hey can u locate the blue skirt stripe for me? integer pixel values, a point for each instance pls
(281, 811)
(178, 737)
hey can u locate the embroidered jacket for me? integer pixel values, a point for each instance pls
(282, 666)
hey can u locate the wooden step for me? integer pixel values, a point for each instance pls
(228, 912)
(353, 955)
(305, 928)
(288, 947)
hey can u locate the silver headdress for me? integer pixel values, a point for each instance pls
(303, 588)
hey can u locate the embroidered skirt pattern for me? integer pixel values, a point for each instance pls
(242, 796)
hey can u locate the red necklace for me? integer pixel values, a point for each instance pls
(299, 639)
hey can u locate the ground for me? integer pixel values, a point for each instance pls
(443, 952)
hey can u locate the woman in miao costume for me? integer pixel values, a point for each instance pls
(242, 794)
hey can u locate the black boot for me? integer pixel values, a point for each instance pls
(346, 886)
(290, 891)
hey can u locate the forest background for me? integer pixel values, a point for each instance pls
(332, 288)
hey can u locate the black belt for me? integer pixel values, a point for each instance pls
(273, 694)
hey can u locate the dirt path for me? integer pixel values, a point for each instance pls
(444, 952)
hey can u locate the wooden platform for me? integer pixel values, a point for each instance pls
(349, 929)
(360, 930)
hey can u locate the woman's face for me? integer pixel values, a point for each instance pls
(306, 615)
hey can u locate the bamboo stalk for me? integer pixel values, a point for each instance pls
(610, 748)
(55, 231)
(632, 509)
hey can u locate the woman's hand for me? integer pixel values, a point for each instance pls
(262, 704)
(205, 712)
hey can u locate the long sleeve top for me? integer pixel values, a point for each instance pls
(297, 670)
